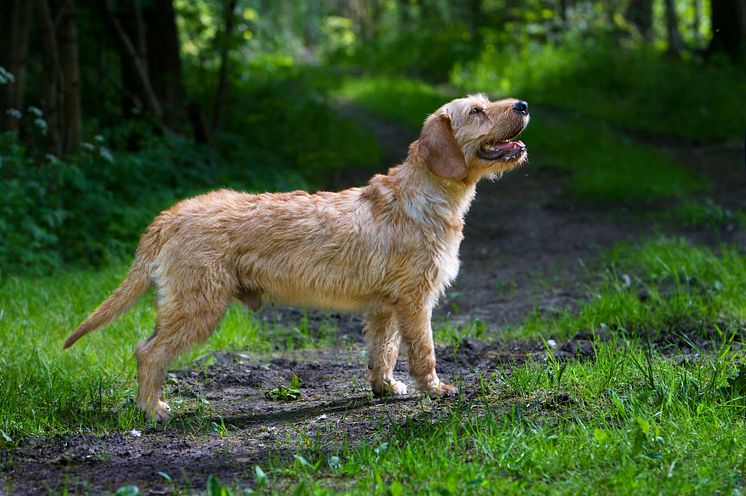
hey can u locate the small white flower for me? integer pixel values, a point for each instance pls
(87, 146)
(41, 124)
(106, 154)
(5, 76)
(14, 113)
(52, 158)
(98, 138)
(35, 110)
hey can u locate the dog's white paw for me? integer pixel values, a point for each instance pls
(160, 412)
(434, 387)
(389, 388)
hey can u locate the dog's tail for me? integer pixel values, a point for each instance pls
(133, 286)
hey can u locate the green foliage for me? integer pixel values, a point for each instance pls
(89, 206)
(634, 88)
(290, 392)
(661, 287)
(281, 118)
(425, 51)
(704, 213)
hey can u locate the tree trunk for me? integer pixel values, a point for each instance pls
(51, 75)
(640, 14)
(562, 5)
(67, 39)
(672, 30)
(729, 28)
(476, 18)
(7, 16)
(164, 59)
(132, 59)
(18, 57)
(697, 23)
(224, 59)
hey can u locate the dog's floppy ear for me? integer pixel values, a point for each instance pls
(439, 149)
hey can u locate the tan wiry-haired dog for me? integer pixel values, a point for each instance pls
(388, 249)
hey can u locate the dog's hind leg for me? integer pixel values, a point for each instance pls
(383, 339)
(187, 315)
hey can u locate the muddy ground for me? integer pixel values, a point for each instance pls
(524, 248)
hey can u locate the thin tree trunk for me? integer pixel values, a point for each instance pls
(476, 17)
(141, 46)
(697, 23)
(164, 59)
(224, 59)
(131, 58)
(67, 39)
(15, 92)
(51, 75)
(640, 14)
(563, 11)
(7, 15)
(729, 28)
(672, 30)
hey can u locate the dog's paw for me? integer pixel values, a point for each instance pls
(440, 389)
(391, 388)
(160, 412)
(447, 389)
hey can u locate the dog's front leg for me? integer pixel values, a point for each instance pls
(417, 337)
(383, 338)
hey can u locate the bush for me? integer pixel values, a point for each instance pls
(422, 51)
(90, 205)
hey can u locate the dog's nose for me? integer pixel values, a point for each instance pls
(521, 107)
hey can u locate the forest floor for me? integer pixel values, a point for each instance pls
(525, 249)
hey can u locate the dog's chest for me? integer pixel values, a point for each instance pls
(445, 260)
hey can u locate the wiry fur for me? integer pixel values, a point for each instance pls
(388, 249)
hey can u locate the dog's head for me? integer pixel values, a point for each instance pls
(471, 138)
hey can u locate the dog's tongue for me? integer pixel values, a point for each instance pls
(510, 145)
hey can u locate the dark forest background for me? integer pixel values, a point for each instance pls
(110, 110)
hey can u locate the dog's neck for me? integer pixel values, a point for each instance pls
(428, 199)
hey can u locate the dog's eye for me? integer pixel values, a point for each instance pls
(475, 110)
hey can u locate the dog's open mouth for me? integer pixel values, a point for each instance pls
(502, 149)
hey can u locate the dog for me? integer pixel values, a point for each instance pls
(388, 249)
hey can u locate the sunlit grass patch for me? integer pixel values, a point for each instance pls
(408, 101)
(659, 287)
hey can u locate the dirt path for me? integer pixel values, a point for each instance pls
(523, 250)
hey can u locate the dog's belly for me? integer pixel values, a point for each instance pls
(319, 301)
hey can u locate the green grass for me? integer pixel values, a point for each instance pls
(659, 287)
(632, 419)
(407, 101)
(45, 390)
(602, 166)
(628, 421)
(632, 88)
